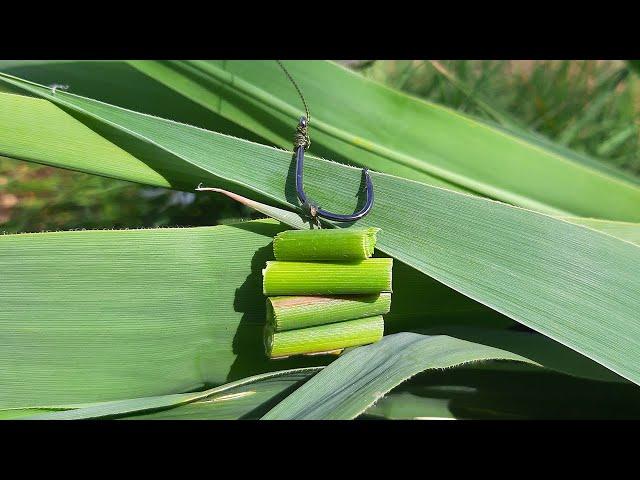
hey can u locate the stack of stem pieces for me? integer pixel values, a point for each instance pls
(324, 291)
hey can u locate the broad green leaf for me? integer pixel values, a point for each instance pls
(537, 348)
(573, 284)
(352, 383)
(248, 402)
(534, 138)
(73, 141)
(121, 84)
(622, 230)
(230, 401)
(348, 386)
(100, 315)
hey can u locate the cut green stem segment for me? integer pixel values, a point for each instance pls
(323, 278)
(337, 245)
(291, 312)
(323, 338)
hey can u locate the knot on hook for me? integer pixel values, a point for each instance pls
(301, 138)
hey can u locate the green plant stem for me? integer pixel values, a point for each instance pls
(288, 313)
(319, 278)
(339, 245)
(323, 338)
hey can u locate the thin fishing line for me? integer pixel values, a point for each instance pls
(286, 72)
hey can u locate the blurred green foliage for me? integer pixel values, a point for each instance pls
(590, 106)
(37, 198)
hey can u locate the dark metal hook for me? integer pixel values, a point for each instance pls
(302, 142)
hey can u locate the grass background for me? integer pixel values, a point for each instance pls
(592, 106)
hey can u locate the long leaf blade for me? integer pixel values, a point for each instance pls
(351, 384)
(354, 382)
(247, 387)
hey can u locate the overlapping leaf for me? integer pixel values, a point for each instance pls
(232, 401)
(348, 386)
(358, 121)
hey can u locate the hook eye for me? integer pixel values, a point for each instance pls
(324, 213)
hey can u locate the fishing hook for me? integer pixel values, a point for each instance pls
(301, 143)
